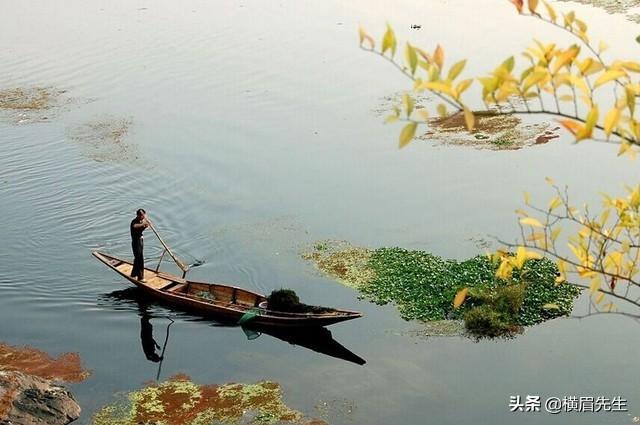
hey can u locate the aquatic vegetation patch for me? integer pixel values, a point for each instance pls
(423, 286)
(180, 401)
(341, 261)
(437, 328)
(105, 139)
(30, 104)
(67, 367)
(31, 98)
(493, 131)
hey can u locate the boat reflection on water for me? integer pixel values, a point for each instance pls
(317, 339)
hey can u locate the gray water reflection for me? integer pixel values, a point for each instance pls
(255, 136)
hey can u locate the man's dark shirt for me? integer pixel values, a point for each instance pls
(136, 231)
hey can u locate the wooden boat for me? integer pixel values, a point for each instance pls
(218, 301)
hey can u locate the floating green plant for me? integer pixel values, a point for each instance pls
(423, 286)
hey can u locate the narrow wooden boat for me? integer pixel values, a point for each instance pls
(218, 301)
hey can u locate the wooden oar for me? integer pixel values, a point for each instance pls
(179, 263)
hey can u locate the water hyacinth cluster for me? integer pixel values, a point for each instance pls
(423, 287)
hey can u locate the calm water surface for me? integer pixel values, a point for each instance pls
(255, 134)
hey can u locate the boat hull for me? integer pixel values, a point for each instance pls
(224, 303)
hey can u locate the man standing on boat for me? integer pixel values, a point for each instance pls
(138, 225)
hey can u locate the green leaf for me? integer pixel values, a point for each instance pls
(509, 63)
(456, 69)
(411, 57)
(407, 134)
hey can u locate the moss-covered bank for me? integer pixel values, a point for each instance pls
(423, 286)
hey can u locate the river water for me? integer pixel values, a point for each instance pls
(253, 131)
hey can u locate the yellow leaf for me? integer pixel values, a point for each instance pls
(625, 147)
(532, 5)
(536, 236)
(631, 66)
(438, 56)
(551, 306)
(611, 121)
(407, 133)
(365, 37)
(555, 203)
(531, 255)
(555, 233)
(581, 26)
(469, 119)
(520, 258)
(549, 180)
(566, 98)
(573, 126)
(565, 58)
(408, 103)
(595, 284)
(411, 57)
(600, 297)
(593, 67)
(389, 41)
(442, 110)
(439, 86)
(607, 76)
(590, 122)
(391, 118)
(423, 113)
(456, 69)
(463, 86)
(518, 4)
(550, 11)
(527, 198)
(530, 221)
(626, 246)
(505, 270)
(460, 297)
(569, 18)
(602, 47)
(536, 77)
(521, 213)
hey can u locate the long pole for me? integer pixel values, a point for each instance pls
(179, 263)
(164, 347)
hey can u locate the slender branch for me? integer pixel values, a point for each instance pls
(408, 75)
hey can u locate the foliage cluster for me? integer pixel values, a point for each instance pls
(423, 286)
(287, 300)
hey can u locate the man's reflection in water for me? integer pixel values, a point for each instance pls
(149, 345)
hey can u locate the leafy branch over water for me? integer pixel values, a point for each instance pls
(591, 97)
